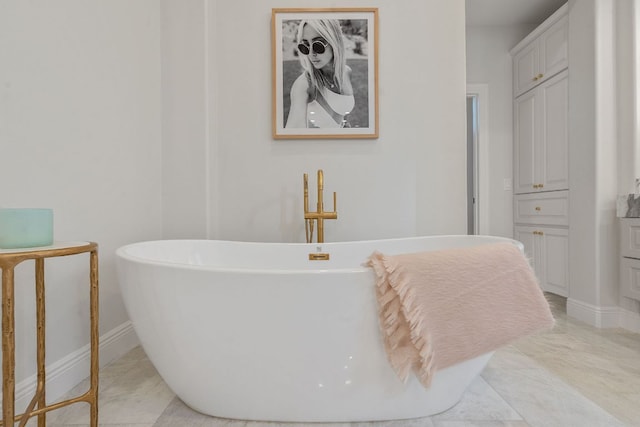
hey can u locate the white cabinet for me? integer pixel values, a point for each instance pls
(630, 261)
(541, 137)
(543, 55)
(541, 225)
(541, 150)
(548, 251)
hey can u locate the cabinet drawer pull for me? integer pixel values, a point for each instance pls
(538, 208)
(540, 76)
(535, 185)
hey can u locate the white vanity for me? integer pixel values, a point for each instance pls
(630, 257)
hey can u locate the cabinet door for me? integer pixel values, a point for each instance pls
(630, 237)
(554, 251)
(554, 51)
(541, 59)
(524, 144)
(630, 261)
(553, 130)
(525, 68)
(541, 137)
(548, 252)
(527, 235)
(630, 278)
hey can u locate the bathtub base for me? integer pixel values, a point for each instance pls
(404, 401)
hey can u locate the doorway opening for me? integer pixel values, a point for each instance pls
(477, 159)
(472, 169)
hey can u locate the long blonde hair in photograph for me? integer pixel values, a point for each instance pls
(331, 31)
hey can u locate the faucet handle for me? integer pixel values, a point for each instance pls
(306, 193)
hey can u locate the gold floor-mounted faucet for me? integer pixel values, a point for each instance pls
(320, 215)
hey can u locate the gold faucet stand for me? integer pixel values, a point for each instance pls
(320, 215)
(9, 258)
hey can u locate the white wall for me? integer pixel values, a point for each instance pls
(409, 181)
(80, 113)
(489, 63)
(593, 261)
(185, 164)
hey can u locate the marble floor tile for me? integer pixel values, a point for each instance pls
(131, 393)
(480, 403)
(544, 400)
(602, 364)
(417, 422)
(448, 423)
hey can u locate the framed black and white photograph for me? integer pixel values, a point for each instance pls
(325, 73)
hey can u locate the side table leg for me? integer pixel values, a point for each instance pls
(8, 347)
(95, 335)
(40, 320)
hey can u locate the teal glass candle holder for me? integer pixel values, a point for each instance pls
(25, 228)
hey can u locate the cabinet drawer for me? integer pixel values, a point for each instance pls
(630, 278)
(550, 208)
(630, 237)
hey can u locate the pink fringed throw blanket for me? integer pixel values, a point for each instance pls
(440, 308)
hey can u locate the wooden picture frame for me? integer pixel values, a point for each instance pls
(325, 73)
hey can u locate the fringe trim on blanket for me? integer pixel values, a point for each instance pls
(401, 321)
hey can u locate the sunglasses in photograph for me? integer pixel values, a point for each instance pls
(317, 46)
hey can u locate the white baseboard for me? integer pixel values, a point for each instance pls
(67, 372)
(600, 317)
(604, 317)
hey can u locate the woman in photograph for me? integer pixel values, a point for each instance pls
(322, 96)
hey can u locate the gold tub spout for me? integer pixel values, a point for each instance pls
(320, 214)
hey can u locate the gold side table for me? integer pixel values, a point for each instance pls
(9, 258)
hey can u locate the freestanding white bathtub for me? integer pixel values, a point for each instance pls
(257, 331)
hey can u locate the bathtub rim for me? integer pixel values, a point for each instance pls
(122, 252)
